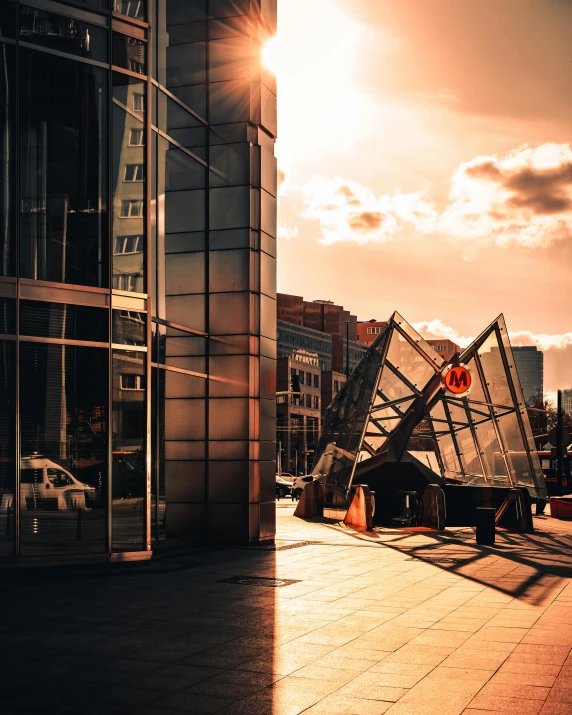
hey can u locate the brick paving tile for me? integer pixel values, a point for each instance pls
(365, 631)
(505, 705)
(552, 707)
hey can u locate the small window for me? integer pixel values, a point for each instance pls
(133, 316)
(131, 208)
(138, 102)
(134, 172)
(316, 381)
(59, 479)
(128, 244)
(132, 382)
(293, 371)
(316, 402)
(137, 137)
(301, 373)
(309, 379)
(125, 281)
(131, 8)
(309, 401)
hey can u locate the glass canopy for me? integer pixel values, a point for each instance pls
(398, 400)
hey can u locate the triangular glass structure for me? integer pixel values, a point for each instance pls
(397, 399)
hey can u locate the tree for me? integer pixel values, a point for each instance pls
(543, 416)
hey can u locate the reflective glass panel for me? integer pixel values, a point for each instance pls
(7, 445)
(410, 363)
(58, 320)
(131, 8)
(128, 52)
(129, 327)
(344, 422)
(7, 316)
(129, 177)
(8, 18)
(129, 429)
(63, 170)
(495, 374)
(64, 34)
(8, 157)
(418, 340)
(63, 477)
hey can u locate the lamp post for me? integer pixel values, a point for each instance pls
(347, 322)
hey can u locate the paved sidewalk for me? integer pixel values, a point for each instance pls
(388, 622)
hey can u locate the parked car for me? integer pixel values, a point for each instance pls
(283, 487)
(299, 485)
(47, 485)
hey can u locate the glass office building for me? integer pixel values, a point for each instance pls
(137, 275)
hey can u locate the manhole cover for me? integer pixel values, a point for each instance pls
(426, 547)
(433, 559)
(259, 581)
(285, 547)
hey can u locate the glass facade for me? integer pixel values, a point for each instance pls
(398, 400)
(137, 275)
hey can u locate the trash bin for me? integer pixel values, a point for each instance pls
(485, 525)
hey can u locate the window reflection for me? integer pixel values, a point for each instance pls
(59, 320)
(128, 184)
(7, 155)
(63, 168)
(129, 445)
(8, 18)
(128, 52)
(63, 478)
(129, 327)
(64, 34)
(7, 446)
(131, 8)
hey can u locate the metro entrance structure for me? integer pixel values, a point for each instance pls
(433, 439)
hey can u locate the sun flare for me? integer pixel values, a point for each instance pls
(270, 55)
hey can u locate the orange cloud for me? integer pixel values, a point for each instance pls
(347, 210)
(523, 198)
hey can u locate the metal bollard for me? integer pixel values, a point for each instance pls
(485, 525)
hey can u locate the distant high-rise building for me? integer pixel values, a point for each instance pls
(567, 401)
(529, 362)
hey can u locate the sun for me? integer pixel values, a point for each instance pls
(270, 55)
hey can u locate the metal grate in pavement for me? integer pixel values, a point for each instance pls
(434, 559)
(297, 545)
(259, 581)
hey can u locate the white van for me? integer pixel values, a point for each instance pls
(47, 485)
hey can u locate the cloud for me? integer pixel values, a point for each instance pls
(347, 210)
(436, 328)
(542, 340)
(287, 231)
(523, 198)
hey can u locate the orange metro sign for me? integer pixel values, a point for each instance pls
(457, 380)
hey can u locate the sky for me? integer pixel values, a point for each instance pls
(425, 159)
